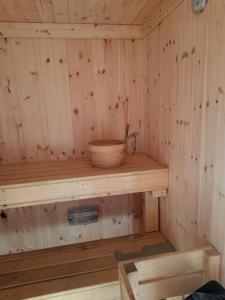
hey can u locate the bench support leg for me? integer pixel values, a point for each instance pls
(211, 265)
(151, 209)
(151, 213)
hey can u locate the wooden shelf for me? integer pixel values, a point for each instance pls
(49, 182)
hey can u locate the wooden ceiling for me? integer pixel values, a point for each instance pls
(77, 11)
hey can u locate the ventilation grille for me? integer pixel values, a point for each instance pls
(83, 215)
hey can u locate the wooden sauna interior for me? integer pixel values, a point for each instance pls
(74, 71)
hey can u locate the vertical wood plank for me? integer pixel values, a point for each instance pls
(150, 213)
(211, 269)
(45, 10)
(30, 10)
(13, 10)
(126, 292)
(61, 11)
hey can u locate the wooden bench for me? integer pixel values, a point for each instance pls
(81, 269)
(59, 181)
(71, 270)
(169, 275)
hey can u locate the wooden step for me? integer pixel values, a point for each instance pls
(59, 285)
(54, 270)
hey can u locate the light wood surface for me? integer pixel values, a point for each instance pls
(76, 252)
(212, 266)
(169, 275)
(151, 213)
(45, 226)
(126, 292)
(46, 113)
(159, 14)
(184, 124)
(182, 116)
(67, 268)
(105, 291)
(41, 183)
(70, 31)
(56, 95)
(77, 11)
(148, 14)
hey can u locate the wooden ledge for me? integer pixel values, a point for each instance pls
(41, 183)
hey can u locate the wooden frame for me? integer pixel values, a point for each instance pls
(70, 31)
(169, 275)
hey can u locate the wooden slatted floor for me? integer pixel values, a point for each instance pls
(63, 268)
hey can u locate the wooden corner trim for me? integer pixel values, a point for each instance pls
(159, 14)
(69, 31)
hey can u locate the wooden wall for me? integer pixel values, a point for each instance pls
(184, 121)
(55, 96)
(45, 226)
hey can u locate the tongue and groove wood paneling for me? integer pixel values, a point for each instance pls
(184, 121)
(77, 11)
(46, 226)
(55, 96)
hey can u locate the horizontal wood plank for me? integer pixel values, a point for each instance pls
(70, 31)
(106, 291)
(170, 286)
(58, 271)
(155, 267)
(57, 285)
(73, 253)
(24, 185)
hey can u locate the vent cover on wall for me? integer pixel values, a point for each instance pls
(83, 215)
(199, 5)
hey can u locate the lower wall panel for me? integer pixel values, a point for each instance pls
(47, 226)
(184, 121)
